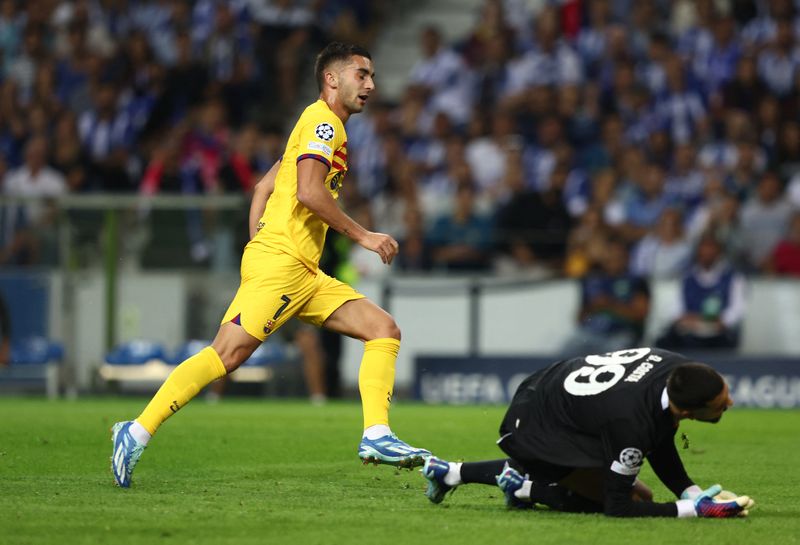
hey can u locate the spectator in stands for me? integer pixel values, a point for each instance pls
(779, 62)
(645, 202)
(743, 177)
(107, 135)
(606, 152)
(414, 254)
(480, 47)
(461, 241)
(428, 153)
(718, 214)
(715, 65)
(614, 305)
(184, 87)
(388, 209)
(286, 30)
(486, 154)
(443, 78)
(785, 259)
(681, 107)
(548, 61)
(787, 156)
(5, 333)
(746, 88)
(606, 199)
(21, 70)
(29, 225)
(67, 155)
(229, 55)
(532, 226)
(685, 182)
(768, 119)
(540, 157)
(664, 252)
(370, 161)
(587, 243)
(492, 71)
(242, 165)
(12, 23)
(435, 193)
(711, 303)
(591, 39)
(764, 219)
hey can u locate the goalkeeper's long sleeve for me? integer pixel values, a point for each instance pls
(668, 467)
(617, 501)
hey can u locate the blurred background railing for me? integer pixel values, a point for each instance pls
(114, 269)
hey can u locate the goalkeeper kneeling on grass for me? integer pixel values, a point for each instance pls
(577, 433)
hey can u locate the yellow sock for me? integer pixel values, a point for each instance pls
(181, 386)
(376, 380)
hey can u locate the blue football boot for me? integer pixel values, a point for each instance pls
(435, 470)
(127, 452)
(392, 451)
(509, 482)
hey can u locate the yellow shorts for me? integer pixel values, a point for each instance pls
(276, 286)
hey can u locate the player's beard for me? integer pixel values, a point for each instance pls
(355, 105)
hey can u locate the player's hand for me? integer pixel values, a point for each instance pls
(717, 503)
(382, 244)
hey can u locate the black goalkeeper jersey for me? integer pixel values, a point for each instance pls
(605, 411)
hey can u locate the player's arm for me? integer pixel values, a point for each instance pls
(624, 455)
(625, 463)
(312, 194)
(261, 193)
(668, 467)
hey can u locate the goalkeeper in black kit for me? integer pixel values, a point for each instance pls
(577, 433)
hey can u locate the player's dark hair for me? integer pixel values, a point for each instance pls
(335, 52)
(692, 385)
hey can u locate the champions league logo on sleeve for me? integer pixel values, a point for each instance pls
(324, 132)
(631, 457)
(630, 461)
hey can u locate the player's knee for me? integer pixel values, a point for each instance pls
(233, 356)
(387, 329)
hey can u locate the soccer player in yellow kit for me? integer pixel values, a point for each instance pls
(292, 207)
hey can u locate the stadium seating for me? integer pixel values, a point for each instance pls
(34, 366)
(146, 364)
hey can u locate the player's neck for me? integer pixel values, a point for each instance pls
(677, 414)
(335, 105)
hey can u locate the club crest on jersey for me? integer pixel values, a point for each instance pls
(268, 327)
(324, 132)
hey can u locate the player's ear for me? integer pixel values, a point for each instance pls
(332, 78)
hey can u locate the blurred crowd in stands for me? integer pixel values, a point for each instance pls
(548, 134)
(151, 96)
(542, 138)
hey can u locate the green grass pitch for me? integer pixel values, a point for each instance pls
(265, 471)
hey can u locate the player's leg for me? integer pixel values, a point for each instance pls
(364, 320)
(337, 307)
(261, 305)
(444, 476)
(231, 347)
(535, 481)
(307, 341)
(581, 492)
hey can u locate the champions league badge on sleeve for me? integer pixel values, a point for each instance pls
(324, 132)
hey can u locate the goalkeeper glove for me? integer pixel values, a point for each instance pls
(716, 503)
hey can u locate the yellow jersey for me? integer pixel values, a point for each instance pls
(287, 225)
